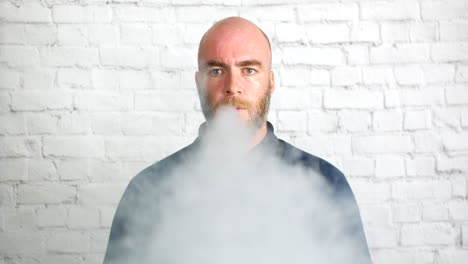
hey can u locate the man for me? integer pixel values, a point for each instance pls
(234, 70)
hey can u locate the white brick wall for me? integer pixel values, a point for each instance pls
(380, 88)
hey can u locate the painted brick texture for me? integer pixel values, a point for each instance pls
(91, 92)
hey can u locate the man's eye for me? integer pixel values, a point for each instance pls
(250, 71)
(216, 72)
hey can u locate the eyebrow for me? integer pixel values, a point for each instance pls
(214, 63)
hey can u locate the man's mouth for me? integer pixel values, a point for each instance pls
(240, 108)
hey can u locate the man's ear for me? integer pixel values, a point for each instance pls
(272, 81)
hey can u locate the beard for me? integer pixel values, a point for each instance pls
(257, 111)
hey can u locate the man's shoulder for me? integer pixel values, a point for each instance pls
(298, 157)
(165, 166)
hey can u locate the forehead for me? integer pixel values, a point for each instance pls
(231, 44)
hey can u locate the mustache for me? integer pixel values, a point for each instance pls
(234, 102)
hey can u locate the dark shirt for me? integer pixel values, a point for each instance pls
(126, 243)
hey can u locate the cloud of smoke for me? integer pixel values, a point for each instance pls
(227, 204)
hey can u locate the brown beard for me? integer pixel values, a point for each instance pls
(258, 111)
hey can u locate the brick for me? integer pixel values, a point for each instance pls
(290, 32)
(83, 217)
(9, 79)
(40, 34)
(375, 215)
(292, 121)
(15, 147)
(68, 242)
(440, 10)
(133, 148)
(7, 195)
(22, 243)
(38, 79)
(427, 235)
(387, 120)
(382, 144)
(49, 193)
(312, 56)
(389, 167)
(344, 76)
(449, 164)
(191, 14)
(397, 10)
(406, 212)
(321, 144)
(75, 169)
(371, 192)
(403, 256)
(395, 32)
(177, 58)
(58, 259)
(100, 194)
(298, 76)
(137, 124)
(420, 166)
(105, 123)
(13, 169)
(40, 100)
(74, 78)
(135, 34)
(5, 102)
(452, 256)
(74, 123)
(169, 34)
(129, 57)
(400, 53)
(352, 121)
(457, 95)
(453, 31)
(165, 100)
(378, 75)
(358, 166)
(408, 75)
(99, 241)
(42, 170)
(462, 73)
(74, 146)
(270, 13)
(458, 210)
(430, 96)
(138, 14)
(382, 237)
(423, 32)
(166, 79)
(81, 14)
(319, 121)
(459, 187)
(357, 55)
(449, 52)
(365, 32)
(103, 101)
(105, 171)
(107, 215)
(103, 35)
(419, 190)
(327, 33)
(447, 117)
(328, 12)
(19, 56)
(41, 123)
(455, 141)
(434, 211)
(465, 235)
(134, 80)
(12, 124)
(438, 73)
(72, 35)
(26, 13)
(69, 56)
(353, 99)
(12, 34)
(20, 218)
(417, 120)
(52, 216)
(103, 79)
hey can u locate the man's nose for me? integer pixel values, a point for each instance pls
(232, 84)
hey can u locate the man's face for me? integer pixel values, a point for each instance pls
(235, 70)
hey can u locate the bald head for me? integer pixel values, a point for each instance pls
(235, 30)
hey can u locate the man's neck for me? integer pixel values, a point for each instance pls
(259, 135)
